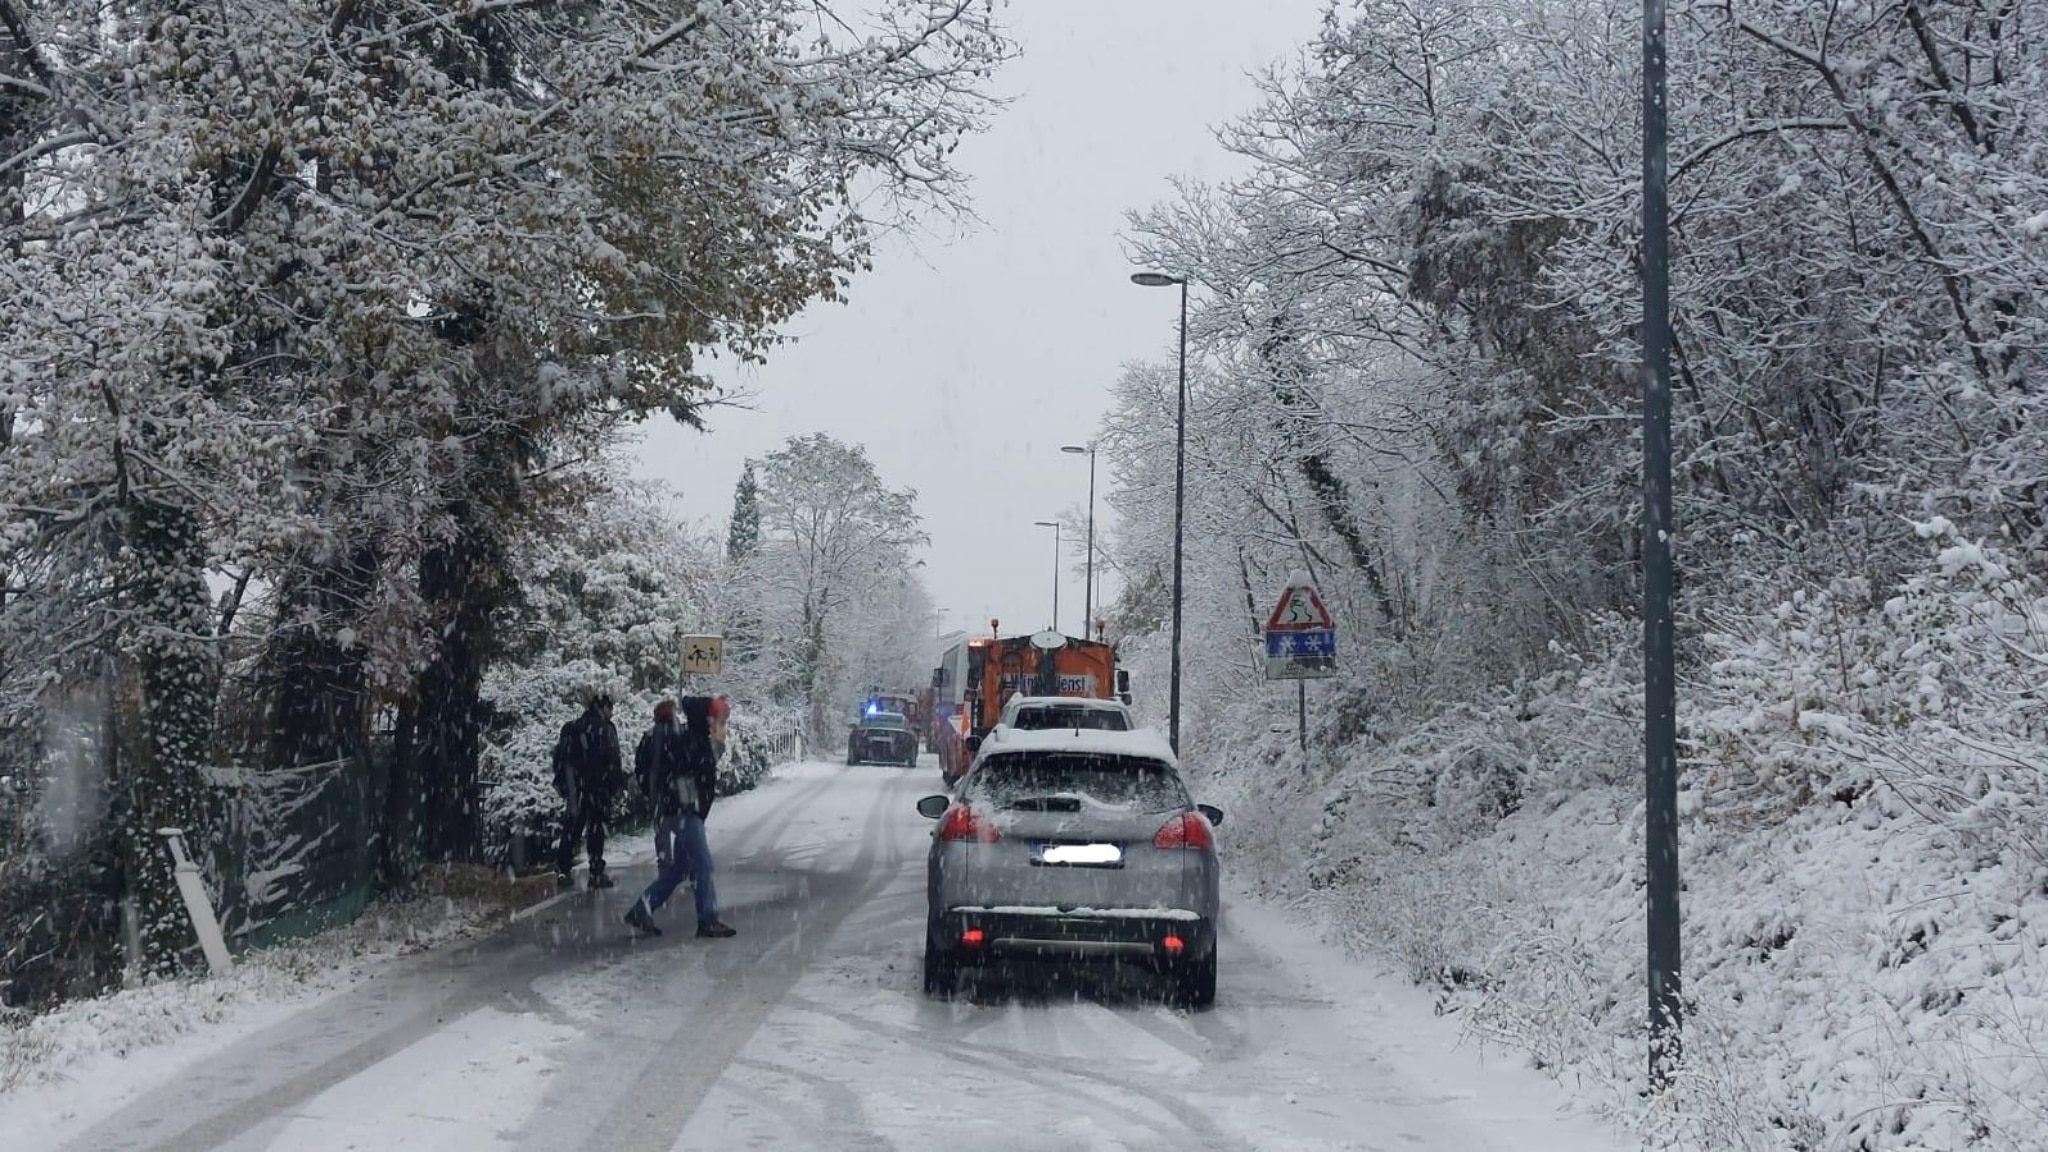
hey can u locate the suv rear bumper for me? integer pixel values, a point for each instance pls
(1110, 934)
(881, 749)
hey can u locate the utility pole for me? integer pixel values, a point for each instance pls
(1180, 500)
(1088, 592)
(1056, 558)
(1301, 717)
(1180, 491)
(1088, 568)
(1660, 691)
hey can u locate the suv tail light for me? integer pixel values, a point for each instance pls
(1187, 830)
(962, 823)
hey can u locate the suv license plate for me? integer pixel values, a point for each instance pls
(1099, 855)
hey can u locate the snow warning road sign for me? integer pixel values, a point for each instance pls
(1301, 639)
(1300, 609)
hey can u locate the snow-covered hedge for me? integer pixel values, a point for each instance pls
(529, 707)
(519, 800)
(760, 736)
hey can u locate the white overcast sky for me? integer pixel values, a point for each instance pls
(964, 362)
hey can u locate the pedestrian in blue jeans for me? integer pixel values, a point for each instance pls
(683, 778)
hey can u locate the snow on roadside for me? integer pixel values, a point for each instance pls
(1513, 1104)
(88, 1057)
(1864, 844)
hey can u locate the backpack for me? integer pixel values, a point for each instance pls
(564, 758)
(576, 755)
(643, 763)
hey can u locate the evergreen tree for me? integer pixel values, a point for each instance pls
(742, 539)
(744, 534)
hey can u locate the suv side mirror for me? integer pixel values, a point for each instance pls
(933, 807)
(1210, 812)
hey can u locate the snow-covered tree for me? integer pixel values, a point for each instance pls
(834, 557)
(318, 302)
(602, 607)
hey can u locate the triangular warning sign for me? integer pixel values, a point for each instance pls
(1299, 610)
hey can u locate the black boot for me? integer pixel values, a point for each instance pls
(715, 929)
(602, 880)
(641, 919)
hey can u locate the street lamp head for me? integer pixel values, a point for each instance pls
(1077, 449)
(1154, 279)
(1044, 524)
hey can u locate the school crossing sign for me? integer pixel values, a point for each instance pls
(703, 655)
(1301, 639)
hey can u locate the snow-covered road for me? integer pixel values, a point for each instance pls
(809, 1031)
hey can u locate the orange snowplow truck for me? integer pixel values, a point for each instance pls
(976, 677)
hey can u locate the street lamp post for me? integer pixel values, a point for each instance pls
(1660, 678)
(1055, 526)
(1088, 578)
(1180, 487)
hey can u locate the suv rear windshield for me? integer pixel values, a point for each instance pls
(884, 720)
(1039, 717)
(1136, 782)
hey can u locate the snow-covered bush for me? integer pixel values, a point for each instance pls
(760, 735)
(529, 705)
(605, 609)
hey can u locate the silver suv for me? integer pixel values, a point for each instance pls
(1067, 846)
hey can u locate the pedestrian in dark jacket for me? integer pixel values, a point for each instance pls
(683, 778)
(588, 775)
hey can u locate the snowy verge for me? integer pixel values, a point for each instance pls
(1864, 845)
(63, 1070)
(86, 1058)
(1431, 1051)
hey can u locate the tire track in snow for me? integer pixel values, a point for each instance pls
(1057, 1074)
(842, 1113)
(298, 1059)
(240, 1095)
(669, 1088)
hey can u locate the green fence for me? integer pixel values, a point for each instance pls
(297, 849)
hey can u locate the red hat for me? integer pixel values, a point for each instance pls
(720, 708)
